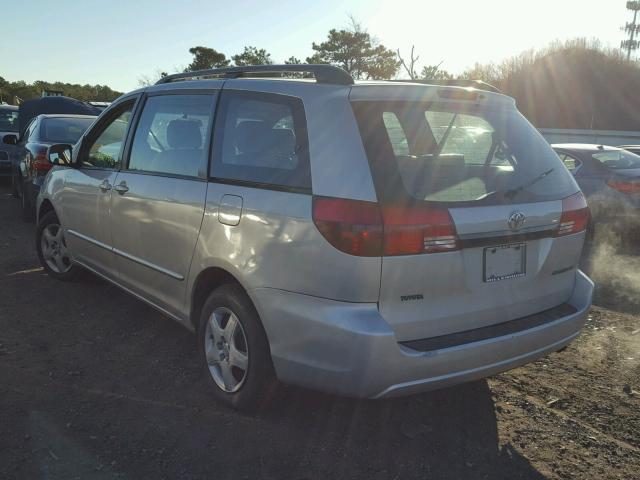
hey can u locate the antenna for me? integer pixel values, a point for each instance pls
(631, 44)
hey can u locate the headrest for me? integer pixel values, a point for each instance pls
(283, 141)
(184, 134)
(252, 136)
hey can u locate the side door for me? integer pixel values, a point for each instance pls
(86, 195)
(158, 200)
(259, 200)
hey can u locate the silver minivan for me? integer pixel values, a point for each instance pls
(366, 239)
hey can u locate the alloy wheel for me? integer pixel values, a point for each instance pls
(54, 249)
(226, 350)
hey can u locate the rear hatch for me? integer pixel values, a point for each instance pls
(482, 222)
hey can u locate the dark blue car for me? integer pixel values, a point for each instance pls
(610, 179)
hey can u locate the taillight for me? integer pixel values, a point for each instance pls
(40, 160)
(575, 215)
(412, 230)
(365, 229)
(625, 186)
(352, 226)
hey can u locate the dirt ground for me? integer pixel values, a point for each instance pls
(96, 385)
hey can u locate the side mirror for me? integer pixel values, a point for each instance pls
(10, 139)
(60, 154)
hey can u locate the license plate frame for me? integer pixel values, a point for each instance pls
(504, 262)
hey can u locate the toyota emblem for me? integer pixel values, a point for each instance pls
(516, 220)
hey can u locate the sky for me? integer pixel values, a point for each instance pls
(116, 42)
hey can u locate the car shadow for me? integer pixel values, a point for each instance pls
(450, 433)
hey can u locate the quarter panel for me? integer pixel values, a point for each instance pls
(276, 245)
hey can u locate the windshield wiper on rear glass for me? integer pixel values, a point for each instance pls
(514, 191)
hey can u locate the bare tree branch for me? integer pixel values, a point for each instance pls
(410, 69)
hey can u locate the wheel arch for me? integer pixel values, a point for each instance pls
(208, 280)
(45, 207)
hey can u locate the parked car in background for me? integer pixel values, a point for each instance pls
(610, 179)
(370, 240)
(631, 148)
(8, 126)
(31, 158)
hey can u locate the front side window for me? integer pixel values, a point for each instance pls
(452, 153)
(262, 139)
(106, 150)
(63, 129)
(171, 137)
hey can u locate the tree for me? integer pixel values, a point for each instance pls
(252, 56)
(293, 61)
(434, 72)
(148, 80)
(410, 67)
(205, 58)
(357, 52)
(12, 91)
(428, 72)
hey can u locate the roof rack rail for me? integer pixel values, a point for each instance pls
(322, 73)
(477, 84)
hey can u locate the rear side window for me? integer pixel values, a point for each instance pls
(617, 159)
(261, 139)
(171, 137)
(453, 153)
(570, 162)
(396, 134)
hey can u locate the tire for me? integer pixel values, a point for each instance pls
(14, 187)
(27, 209)
(52, 251)
(221, 350)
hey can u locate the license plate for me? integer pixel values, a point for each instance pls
(504, 261)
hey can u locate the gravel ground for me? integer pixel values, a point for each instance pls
(96, 385)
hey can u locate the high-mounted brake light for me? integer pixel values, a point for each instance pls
(575, 215)
(366, 229)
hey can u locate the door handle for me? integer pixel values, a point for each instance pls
(105, 186)
(121, 188)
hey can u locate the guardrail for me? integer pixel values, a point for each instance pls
(599, 137)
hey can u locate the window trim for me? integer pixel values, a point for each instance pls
(202, 175)
(298, 110)
(105, 119)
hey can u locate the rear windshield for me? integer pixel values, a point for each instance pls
(63, 129)
(617, 159)
(459, 154)
(8, 120)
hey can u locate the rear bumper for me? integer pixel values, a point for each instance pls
(349, 349)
